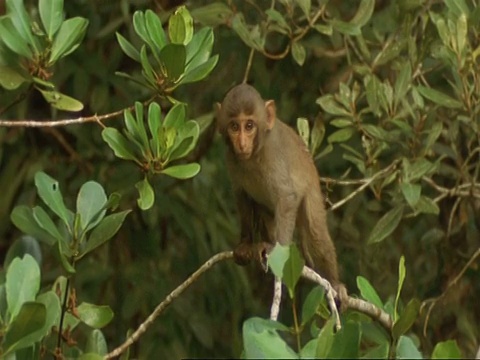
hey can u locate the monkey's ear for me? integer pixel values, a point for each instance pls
(271, 113)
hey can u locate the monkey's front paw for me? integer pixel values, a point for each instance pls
(342, 296)
(242, 254)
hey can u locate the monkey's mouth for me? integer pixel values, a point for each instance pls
(244, 155)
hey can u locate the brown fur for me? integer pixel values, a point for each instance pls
(276, 186)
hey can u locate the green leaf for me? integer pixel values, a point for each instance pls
(277, 18)
(155, 30)
(49, 191)
(173, 57)
(368, 292)
(277, 259)
(298, 52)
(91, 200)
(403, 82)
(199, 49)
(318, 133)
(325, 340)
(154, 123)
(447, 350)
(212, 14)
(104, 231)
(341, 135)
(22, 23)
(293, 270)
(31, 318)
(406, 349)
(186, 140)
(128, 48)
(311, 303)
(401, 279)
(180, 26)
(386, 225)
(407, 319)
(427, 206)
(175, 117)
(118, 143)
(51, 14)
(200, 72)
(22, 283)
(10, 79)
(182, 172)
(411, 192)
(61, 101)
(95, 316)
(46, 223)
(19, 248)
(346, 342)
(262, 341)
(146, 193)
(96, 344)
(303, 130)
(439, 97)
(240, 27)
(9, 36)
(360, 19)
(68, 38)
(331, 106)
(22, 217)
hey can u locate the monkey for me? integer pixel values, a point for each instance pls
(275, 182)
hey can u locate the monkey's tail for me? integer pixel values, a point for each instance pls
(317, 245)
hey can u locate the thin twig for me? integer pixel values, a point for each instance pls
(168, 300)
(366, 183)
(249, 65)
(84, 119)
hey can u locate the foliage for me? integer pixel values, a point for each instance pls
(27, 51)
(385, 95)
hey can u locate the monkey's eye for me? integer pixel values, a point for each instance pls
(234, 127)
(250, 125)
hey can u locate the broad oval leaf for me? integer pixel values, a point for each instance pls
(95, 316)
(407, 318)
(182, 172)
(180, 26)
(10, 79)
(22, 23)
(91, 200)
(61, 101)
(146, 193)
(298, 53)
(49, 191)
(51, 14)
(293, 269)
(155, 30)
(406, 349)
(200, 72)
(68, 38)
(447, 350)
(331, 106)
(22, 217)
(386, 225)
(118, 143)
(311, 303)
(368, 292)
(128, 48)
(277, 259)
(9, 35)
(173, 57)
(341, 135)
(30, 319)
(22, 283)
(411, 192)
(262, 341)
(104, 231)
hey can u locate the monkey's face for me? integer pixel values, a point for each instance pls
(242, 132)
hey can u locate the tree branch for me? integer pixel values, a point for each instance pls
(168, 300)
